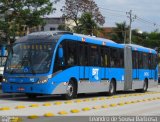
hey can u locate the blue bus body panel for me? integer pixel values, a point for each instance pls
(141, 74)
(65, 75)
(117, 73)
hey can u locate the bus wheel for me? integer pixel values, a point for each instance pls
(31, 96)
(71, 91)
(112, 88)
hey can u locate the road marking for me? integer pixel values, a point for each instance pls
(47, 104)
(121, 103)
(75, 111)
(77, 101)
(104, 106)
(57, 103)
(62, 113)
(113, 105)
(34, 105)
(128, 102)
(5, 108)
(89, 108)
(33, 117)
(94, 99)
(49, 114)
(86, 109)
(20, 107)
(68, 102)
(86, 100)
(96, 107)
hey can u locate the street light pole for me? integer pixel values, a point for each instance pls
(130, 28)
(131, 19)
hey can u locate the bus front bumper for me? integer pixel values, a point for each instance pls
(27, 88)
(46, 88)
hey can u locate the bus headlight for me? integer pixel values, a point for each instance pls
(42, 80)
(4, 80)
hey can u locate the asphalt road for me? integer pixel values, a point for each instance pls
(48, 108)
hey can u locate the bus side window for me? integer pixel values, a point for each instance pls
(81, 54)
(112, 55)
(59, 59)
(71, 57)
(149, 61)
(103, 57)
(95, 58)
(140, 60)
(61, 55)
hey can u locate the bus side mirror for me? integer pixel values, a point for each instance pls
(3, 50)
(60, 52)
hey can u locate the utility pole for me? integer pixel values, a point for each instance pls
(131, 19)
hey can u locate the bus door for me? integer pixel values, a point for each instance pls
(154, 66)
(150, 66)
(128, 68)
(95, 71)
(83, 62)
(135, 65)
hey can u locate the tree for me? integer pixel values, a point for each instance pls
(87, 24)
(146, 39)
(21, 14)
(73, 10)
(121, 32)
(64, 27)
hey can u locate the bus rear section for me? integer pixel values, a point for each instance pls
(141, 70)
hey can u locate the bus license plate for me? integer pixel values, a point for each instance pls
(21, 89)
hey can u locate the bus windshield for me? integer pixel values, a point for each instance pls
(29, 58)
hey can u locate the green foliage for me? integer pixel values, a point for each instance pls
(87, 25)
(20, 14)
(150, 40)
(120, 32)
(74, 9)
(64, 27)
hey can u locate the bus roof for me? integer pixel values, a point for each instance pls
(42, 35)
(50, 35)
(97, 40)
(141, 48)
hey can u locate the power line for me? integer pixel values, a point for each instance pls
(111, 10)
(136, 17)
(115, 14)
(147, 21)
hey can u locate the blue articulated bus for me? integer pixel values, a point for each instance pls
(66, 63)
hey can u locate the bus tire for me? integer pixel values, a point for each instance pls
(112, 88)
(31, 96)
(71, 91)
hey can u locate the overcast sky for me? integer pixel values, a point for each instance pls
(147, 10)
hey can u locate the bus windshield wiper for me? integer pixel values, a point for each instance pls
(33, 71)
(31, 65)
